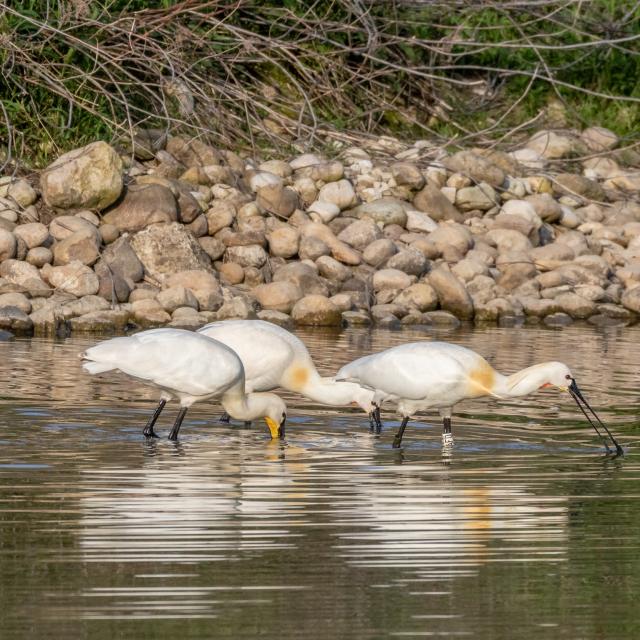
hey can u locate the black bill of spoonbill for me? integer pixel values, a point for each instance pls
(190, 367)
(274, 357)
(437, 375)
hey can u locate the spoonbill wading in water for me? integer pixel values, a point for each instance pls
(190, 367)
(438, 375)
(274, 357)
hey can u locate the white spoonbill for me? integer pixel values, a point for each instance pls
(274, 357)
(190, 367)
(438, 375)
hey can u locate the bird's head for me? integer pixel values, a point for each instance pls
(275, 415)
(558, 375)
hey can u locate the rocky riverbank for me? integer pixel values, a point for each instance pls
(173, 232)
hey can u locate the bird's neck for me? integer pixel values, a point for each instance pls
(338, 394)
(245, 406)
(521, 383)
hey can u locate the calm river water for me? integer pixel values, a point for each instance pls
(526, 531)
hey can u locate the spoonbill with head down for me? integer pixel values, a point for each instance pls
(190, 367)
(274, 357)
(438, 375)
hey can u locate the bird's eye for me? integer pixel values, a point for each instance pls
(568, 377)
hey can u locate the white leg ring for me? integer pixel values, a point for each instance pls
(447, 440)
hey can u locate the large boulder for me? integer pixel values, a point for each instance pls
(452, 294)
(316, 310)
(169, 248)
(142, 205)
(88, 177)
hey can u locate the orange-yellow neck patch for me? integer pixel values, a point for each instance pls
(299, 377)
(482, 380)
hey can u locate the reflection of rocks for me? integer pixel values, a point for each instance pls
(495, 235)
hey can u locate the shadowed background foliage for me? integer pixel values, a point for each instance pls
(246, 73)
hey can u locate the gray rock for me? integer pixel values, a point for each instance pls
(311, 248)
(451, 293)
(276, 317)
(316, 310)
(74, 278)
(331, 269)
(477, 167)
(89, 177)
(64, 226)
(277, 199)
(278, 296)
(443, 319)
(17, 300)
(360, 234)
(340, 193)
(451, 235)
(481, 197)
(34, 234)
(379, 251)
(355, 318)
(420, 296)
(143, 205)
(432, 202)
(79, 246)
(385, 211)
(5, 336)
(391, 279)
(176, 297)
(25, 275)
(410, 261)
(407, 173)
(558, 320)
(169, 248)
(284, 242)
(15, 320)
(248, 256)
(149, 313)
(8, 245)
(213, 247)
(575, 306)
(202, 284)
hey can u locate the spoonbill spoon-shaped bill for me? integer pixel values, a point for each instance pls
(190, 367)
(437, 375)
(274, 357)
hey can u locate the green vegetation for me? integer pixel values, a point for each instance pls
(268, 74)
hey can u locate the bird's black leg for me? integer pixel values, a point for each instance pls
(374, 419)
(397, 441)
(148, 431)
(224, 418)
(176, 425)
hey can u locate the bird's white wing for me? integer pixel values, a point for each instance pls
(417, 371)
(173, 359)
(265, 349)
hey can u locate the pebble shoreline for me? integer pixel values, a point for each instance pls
(173, 232)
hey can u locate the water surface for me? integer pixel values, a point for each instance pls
(525, 530)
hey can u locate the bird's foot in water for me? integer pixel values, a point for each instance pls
(447, 440)
(224, 418)
(149, 433)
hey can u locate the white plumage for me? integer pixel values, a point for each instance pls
(187, 366)
(438, 375)
(274, 357)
